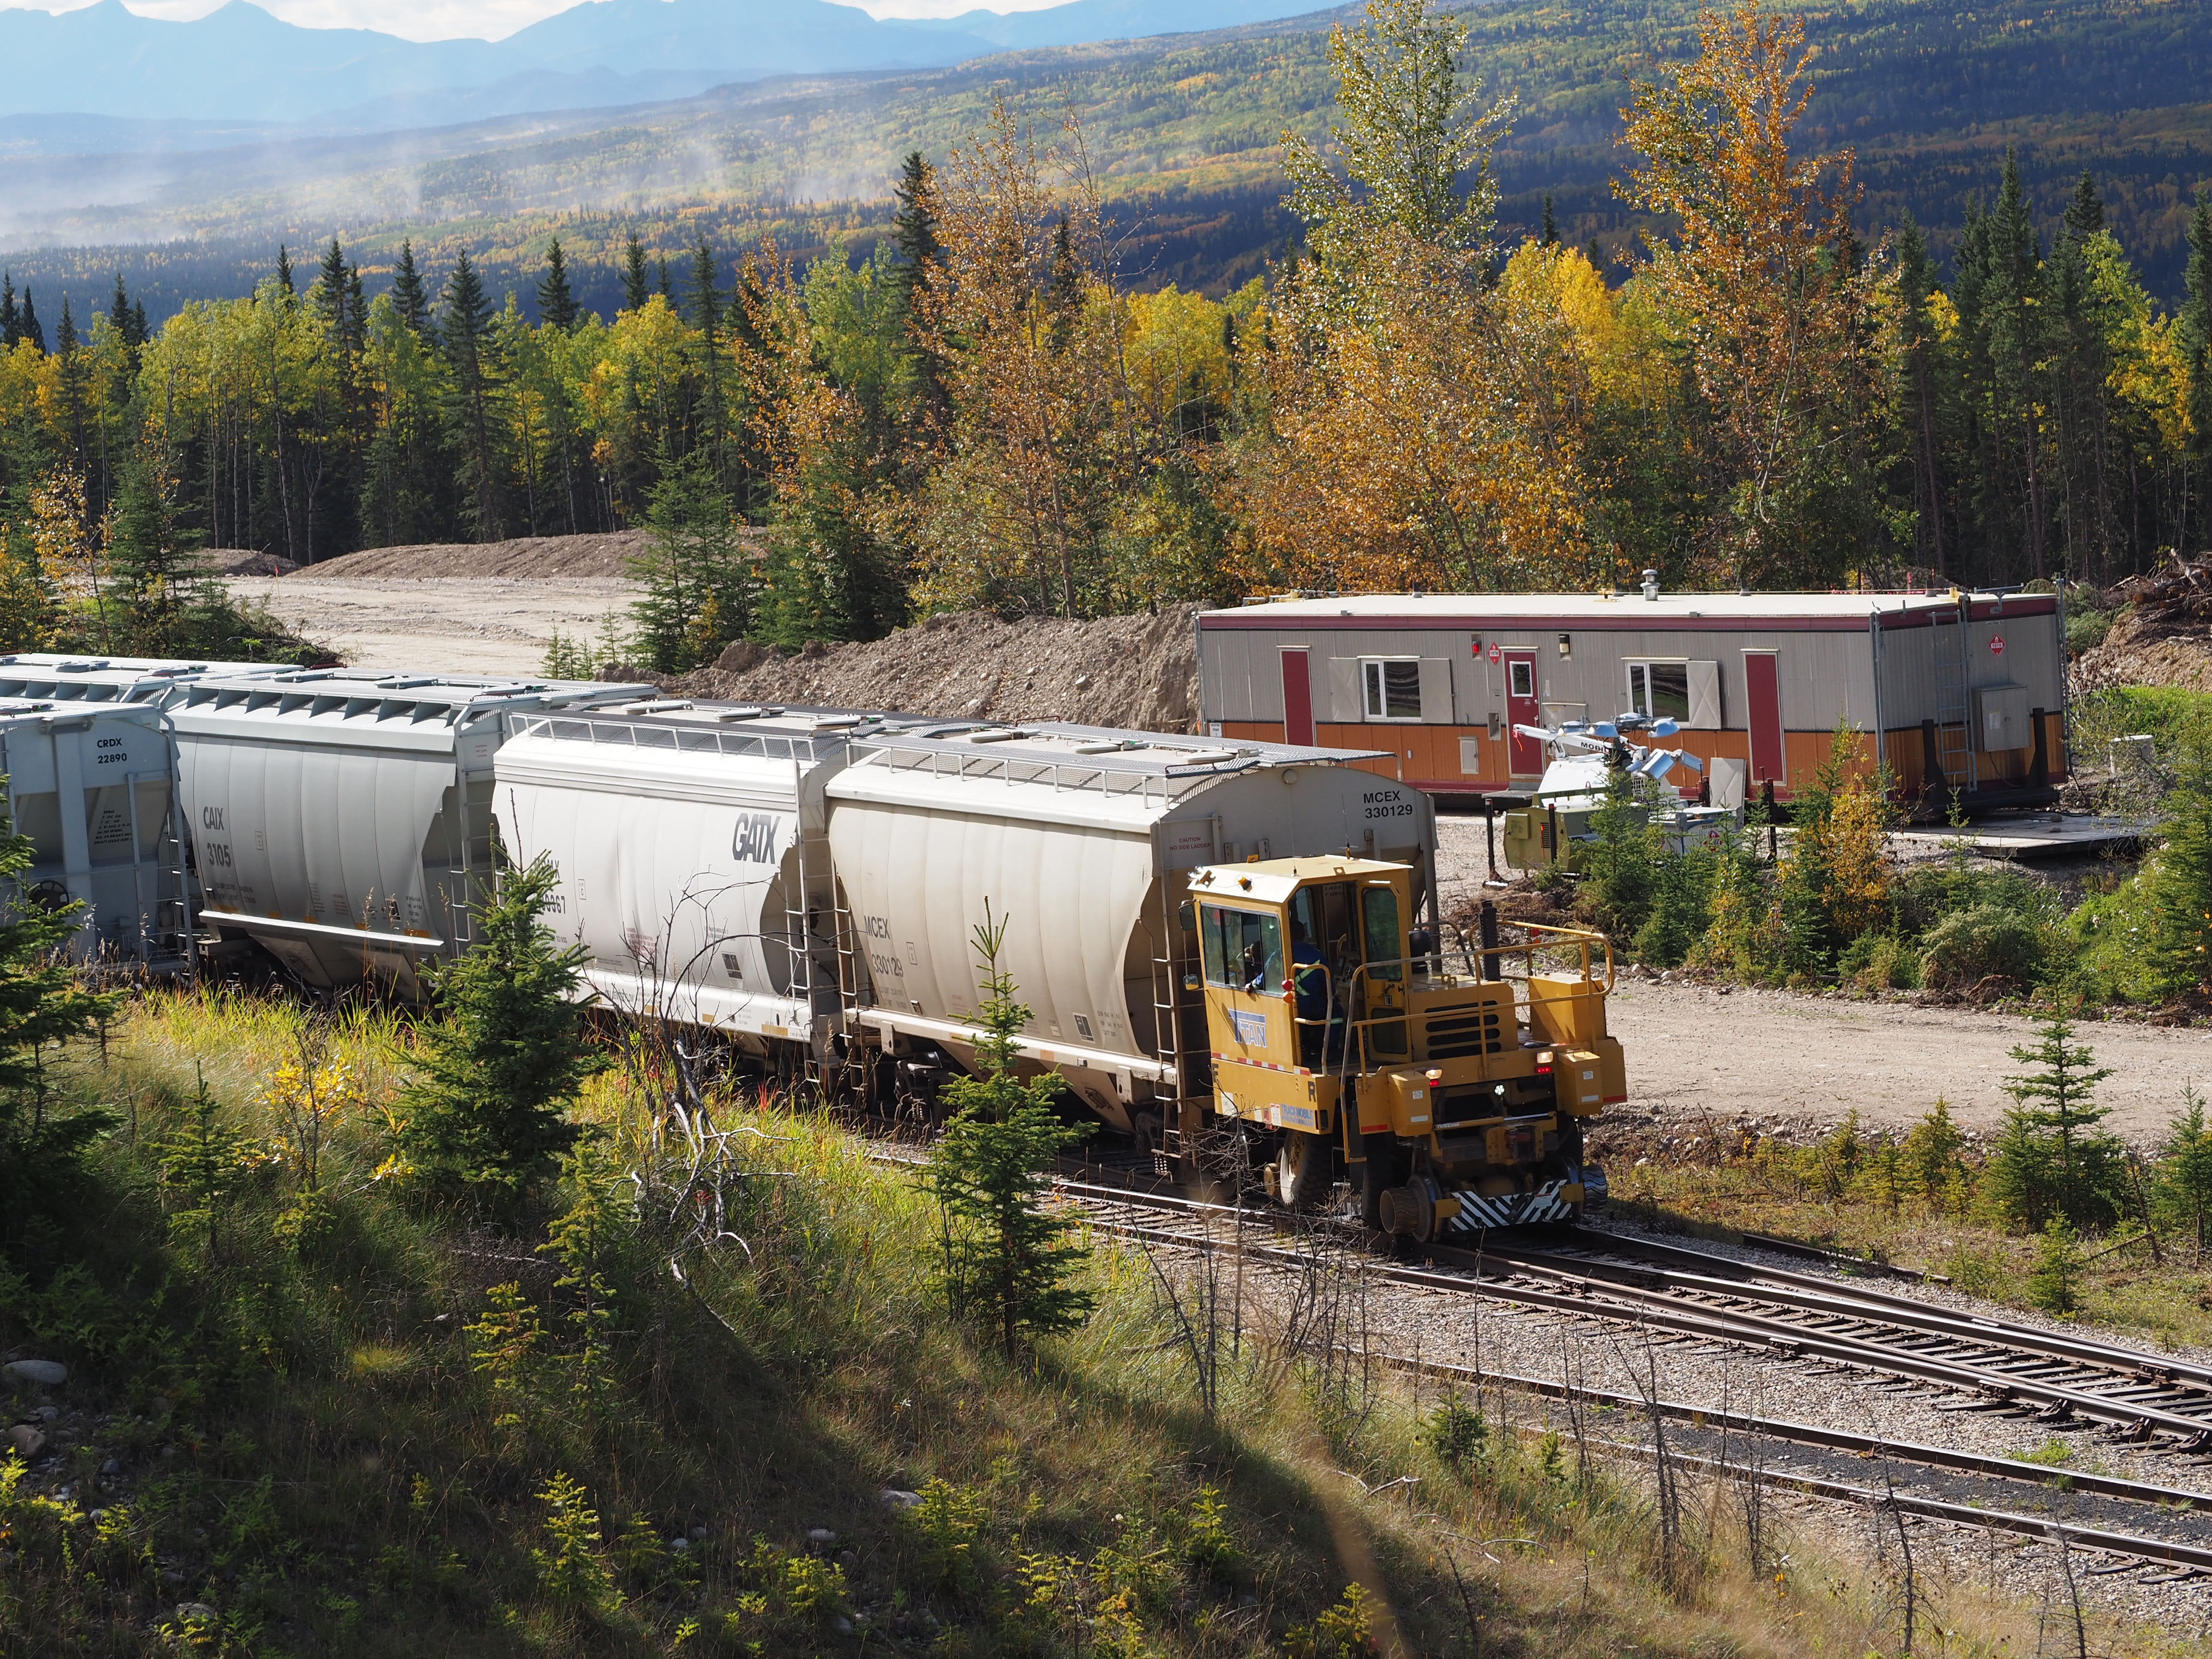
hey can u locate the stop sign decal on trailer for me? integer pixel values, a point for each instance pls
(1996, 645)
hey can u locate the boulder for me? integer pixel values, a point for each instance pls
(47, 1373)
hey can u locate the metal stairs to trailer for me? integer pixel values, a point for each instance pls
(1954, 732)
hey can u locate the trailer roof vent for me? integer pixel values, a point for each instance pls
(1651, 584)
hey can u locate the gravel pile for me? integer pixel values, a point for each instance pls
(1136, 671)
(605, 554)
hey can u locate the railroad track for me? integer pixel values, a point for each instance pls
(1187, 1224)
(1984, 1363)
(1987, 1364)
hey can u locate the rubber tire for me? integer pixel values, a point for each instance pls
(1304, 1170)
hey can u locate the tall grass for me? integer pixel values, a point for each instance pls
(400, 1435)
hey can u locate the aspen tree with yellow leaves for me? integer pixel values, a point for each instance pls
(1764, 282)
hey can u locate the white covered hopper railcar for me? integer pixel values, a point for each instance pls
(1082, 840)
(339, 816)
(691, 843)
(151, 680)
(90, 788)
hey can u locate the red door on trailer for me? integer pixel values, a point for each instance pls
(1298, 696)
(1526, 754)
(1763, 684)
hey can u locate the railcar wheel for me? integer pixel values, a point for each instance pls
(1303, 1169)
(1380, 1172)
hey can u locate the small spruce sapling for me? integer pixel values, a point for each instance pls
(585, 1239)
(1006, 1258)
(2054, 1284)
(2051, 1158)
(2184, 1179)
(483, 1120)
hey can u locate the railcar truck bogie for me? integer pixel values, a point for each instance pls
(1451, 1078)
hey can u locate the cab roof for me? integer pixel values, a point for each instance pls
(1275, 879)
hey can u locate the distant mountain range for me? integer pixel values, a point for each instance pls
(240, 64)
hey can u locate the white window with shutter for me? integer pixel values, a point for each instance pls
(1390, 688)
(1687, 693)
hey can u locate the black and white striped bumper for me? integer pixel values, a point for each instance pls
(1547, 1204)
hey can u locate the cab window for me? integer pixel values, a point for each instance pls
(1378, 911)
(1242, 949)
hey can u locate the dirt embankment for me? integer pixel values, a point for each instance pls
(2162, 634)
(603, 555)
(1139, 671)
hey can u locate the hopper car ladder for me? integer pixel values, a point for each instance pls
(1167, 1044)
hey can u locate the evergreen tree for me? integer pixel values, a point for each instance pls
(557, 304)
(2055, 1283)
(284, 268)
(706, 318)
(697, 578)
(1550, 234)
(1918, 284)
(920, 255)
(139, 331)
(332, 297)
(409, 294)
(151, 563)
(130, 325)
(1006, 1257)
(2085, 214)
(665, 284)
(2052, 1161)
(75, 401)
(2178, 890)
(27, 326)
(635, 292)
(2194, 326)
(2184, 1171)
(43, 1004)
(706, 299)
(465, 333)
(484, 1115)
(1999, 294)
(10, 323)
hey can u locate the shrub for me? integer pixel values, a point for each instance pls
(1681, 908)
(1989, 940)
(1881, 961)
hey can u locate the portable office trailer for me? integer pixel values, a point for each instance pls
(339, 817)
(691, 842)
(1081, 842)
(90, 787)
(1955, 692)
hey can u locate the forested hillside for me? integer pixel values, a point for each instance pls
(985, 411)
(1185, 132)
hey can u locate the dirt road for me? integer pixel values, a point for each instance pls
(1695, 1049)
(474, 624)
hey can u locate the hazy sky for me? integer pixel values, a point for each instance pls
(439, 20)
